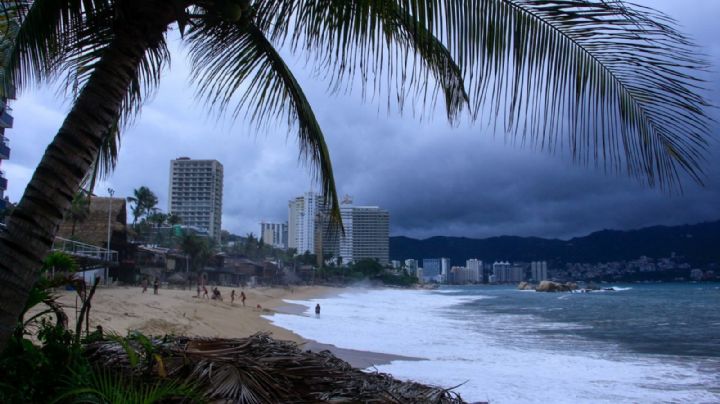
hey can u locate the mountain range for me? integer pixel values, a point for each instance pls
(697, 243)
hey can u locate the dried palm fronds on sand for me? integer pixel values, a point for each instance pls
(257, 369)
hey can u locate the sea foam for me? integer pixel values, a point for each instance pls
(492, 357)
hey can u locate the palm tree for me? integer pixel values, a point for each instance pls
(145, 202)
(615, 80)
(157, 218)
(173, 219)
(197, 249)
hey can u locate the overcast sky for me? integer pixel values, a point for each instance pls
(434, 179)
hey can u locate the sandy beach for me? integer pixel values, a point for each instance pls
(180, 312)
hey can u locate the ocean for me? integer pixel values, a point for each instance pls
(646, 343)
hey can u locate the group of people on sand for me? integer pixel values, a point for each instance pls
(217, 295)
(156, 285)
(242, 297)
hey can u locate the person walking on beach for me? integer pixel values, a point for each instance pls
(243, 297)
(144, 284)
(205, 293)
(156, 285)
(232, 297)
(317, 310)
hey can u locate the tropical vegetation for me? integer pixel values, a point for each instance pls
(613, 83)
(144, 204)
(368, 270)
(45, 361)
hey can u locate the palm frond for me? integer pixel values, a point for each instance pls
(232, 59)
(47, 33)
(88, 52)
(103, 386)
(261, 369)
(65, 40)
(614, 83)
(380, 42)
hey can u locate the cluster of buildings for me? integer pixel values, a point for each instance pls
(672, 268)
(440, 270)
(195, 195)
(365, 233)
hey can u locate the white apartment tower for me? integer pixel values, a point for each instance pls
(302, 217)
(475, 270)
(195, 195)
(538, 271)
(367, 234)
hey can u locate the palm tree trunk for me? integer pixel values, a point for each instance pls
(32, 226)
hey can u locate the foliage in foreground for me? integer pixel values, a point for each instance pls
(59, 367)
(259, 369)
(45, 361)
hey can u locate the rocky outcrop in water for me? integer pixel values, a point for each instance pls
(526, 286)
(549, 286)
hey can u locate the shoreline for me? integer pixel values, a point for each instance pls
(356, 358)
(180, 312)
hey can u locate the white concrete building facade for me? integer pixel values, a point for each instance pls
(538, 271)
(303, 214)
(196, 193)
(367, 234)
(274, 234)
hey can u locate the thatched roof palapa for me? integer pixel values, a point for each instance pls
(94, 229)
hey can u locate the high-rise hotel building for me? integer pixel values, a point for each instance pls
(367, 234)
(195, 195)
(274, 234)
(303, 221)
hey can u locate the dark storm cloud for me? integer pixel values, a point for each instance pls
(434, 179)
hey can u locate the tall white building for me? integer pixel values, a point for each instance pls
(367, 234)
(195, 194)
(445, 268)
(274, 234)
(475, 270)
(538, 271)
(502, 271)
(303, 213)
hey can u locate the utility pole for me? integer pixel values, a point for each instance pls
(109, 234)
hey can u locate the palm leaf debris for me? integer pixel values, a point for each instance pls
(259, 369)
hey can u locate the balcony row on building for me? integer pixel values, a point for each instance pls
(6, 122)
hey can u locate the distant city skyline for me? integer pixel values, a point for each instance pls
(434, 179)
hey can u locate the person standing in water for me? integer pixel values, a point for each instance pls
(317, 310)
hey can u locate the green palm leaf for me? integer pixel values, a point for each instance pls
(614, 84)
(230, 58)
(379, 42)
(52, 40)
